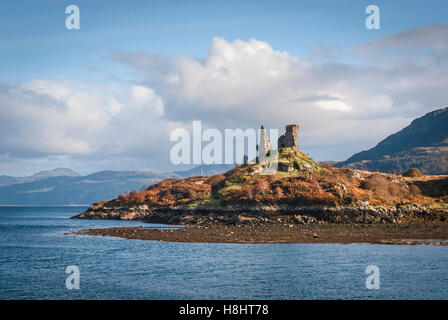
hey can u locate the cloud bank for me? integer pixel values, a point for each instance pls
(341, 106)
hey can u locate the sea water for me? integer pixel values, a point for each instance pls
(35, 253)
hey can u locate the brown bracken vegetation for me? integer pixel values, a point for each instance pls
(308, 184)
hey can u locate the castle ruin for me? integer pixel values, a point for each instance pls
(265, 144)
(289, 139)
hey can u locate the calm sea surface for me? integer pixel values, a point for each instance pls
(34, 254)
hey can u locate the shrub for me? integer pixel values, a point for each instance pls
(413, 172)
(261, 187)
(213, 202)
(380, 187)
(217, 178)
(414, 190)
(271, 178)
(249, 191)
(132, 197)
(121, 197)
(326, 165)
(278, 191)
(373, 182)
(217, 182)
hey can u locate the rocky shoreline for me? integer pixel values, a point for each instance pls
(234, 215)
(428, 234)
(400, 224)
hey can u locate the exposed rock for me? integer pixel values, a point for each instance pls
(284, 167)
(300, 219)
(360, 213)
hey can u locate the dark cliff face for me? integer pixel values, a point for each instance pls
(423, 144)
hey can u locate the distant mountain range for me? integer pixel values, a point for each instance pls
(58, 172)
(207, 170)
(64, 187)
(423, 145)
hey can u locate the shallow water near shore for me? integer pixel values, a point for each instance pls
(34, 254)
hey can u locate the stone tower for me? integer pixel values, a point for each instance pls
(289, 139)
(265, 143)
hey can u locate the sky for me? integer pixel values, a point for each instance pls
(107, 96)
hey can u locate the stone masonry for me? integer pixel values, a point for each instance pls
(289, 139)
(265, 143)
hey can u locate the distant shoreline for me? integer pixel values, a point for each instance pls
(427, 234)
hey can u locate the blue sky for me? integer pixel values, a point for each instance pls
(125, 48)
(35, 42)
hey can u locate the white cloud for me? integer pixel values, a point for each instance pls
(56, 117)
(145, 98)
(340, 107)
(248, 83)
(334, 105)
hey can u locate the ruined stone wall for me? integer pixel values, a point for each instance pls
(265, 144)
(289, 139)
